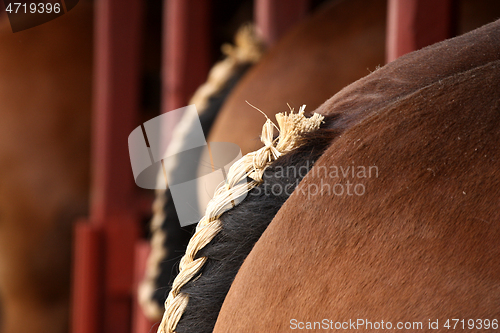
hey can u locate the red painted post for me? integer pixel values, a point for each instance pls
(86, 279)
(186, 51)
(141, 324)
(273, 18)
(105, 247)
(414, 24)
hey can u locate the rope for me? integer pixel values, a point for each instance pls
(291, 127)
(247, 50)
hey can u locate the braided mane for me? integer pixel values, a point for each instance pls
(291, 126)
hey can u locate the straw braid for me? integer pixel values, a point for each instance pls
(247, 50)
(252, 165)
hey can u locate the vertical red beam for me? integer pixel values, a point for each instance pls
(141, 324)
(186, 51)
(117, 91)
(274, 17)
(105, 247)
(86, 296)
(414, 24)
(116, 102)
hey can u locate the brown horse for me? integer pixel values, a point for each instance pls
(414, 245)
(342, 42)
(268, 83)
(45, 84)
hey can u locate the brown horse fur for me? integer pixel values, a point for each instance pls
(422, 241)
(44, 147)
(337, 45)
(340, 43)
(343, 40)
(226, 252)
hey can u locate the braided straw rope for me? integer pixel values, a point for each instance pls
(252, 165)
(247, 50)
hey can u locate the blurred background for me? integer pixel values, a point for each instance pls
(74, 228)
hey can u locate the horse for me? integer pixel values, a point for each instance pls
(233, 124)
(413, 245)
(45, 94)
(205, 308)
(343, 40)
(338, 44)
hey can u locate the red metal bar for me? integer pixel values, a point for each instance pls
(116, 101)
(186, 50)
(186, 62)
(121, 235)
(86, 278)
(414, 24)
(274, 17)
(113, 218)
(141, 324)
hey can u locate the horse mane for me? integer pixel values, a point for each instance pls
(238, 234)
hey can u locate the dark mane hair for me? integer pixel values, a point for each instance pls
(243, 226)
(177, 237)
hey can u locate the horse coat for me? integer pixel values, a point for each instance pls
(351, 108)
(421, 242)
